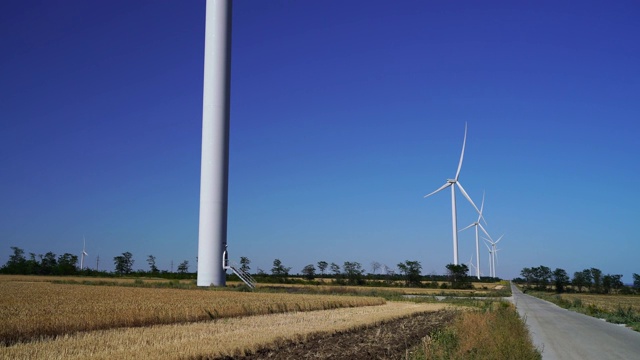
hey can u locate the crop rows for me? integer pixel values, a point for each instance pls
(40, 309)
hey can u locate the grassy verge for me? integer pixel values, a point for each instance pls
(617, 315)
(495, 332)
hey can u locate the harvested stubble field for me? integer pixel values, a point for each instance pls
(609, 303)
(31, 310)
(235, 337)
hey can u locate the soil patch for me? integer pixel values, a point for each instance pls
(388, 340)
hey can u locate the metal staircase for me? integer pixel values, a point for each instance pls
(244, 276)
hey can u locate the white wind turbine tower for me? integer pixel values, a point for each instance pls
(451, 183)
(490, 260)
(84, 253)
(477, 224)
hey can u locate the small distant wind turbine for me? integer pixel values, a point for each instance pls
(470, 263)
(84, 253)
(477, 224)
(493, 250)
(451, 183)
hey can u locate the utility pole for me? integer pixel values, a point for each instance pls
(98, 263)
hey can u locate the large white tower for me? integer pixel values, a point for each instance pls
(212, 238)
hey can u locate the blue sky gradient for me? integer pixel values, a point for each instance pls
(344, 115)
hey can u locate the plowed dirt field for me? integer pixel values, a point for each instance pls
(388, 340)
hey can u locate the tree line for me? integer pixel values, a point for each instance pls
(353, 273)
(590, 280)
(349, 273)
(67, 264)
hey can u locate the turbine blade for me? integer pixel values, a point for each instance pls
(446, 185)
(484, 231)
(488, 248)
(464, 143)
(487, 240)
(468, 198)
(500, 238)
(481, 210)
(466, 227)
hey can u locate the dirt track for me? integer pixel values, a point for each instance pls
(389, 340)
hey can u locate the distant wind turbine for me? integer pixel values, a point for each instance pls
(493, 250)
(477, 224)
(470, 263)
(84, 253)
(451, 183)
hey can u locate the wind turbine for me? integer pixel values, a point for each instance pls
(84, 253)
(451, 183)
(493, 250)
(470, 263)
(477, 224)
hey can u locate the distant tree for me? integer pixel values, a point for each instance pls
(261, 272)
(183, 268)
(124, 263)
(612, 282)
(411, 270)
(579, 281)
(335, 269)
(607, 282)
(322, 266)
(588, 278)
(389, 271)
(375, 266)
(67, 264)
(596, 275)
(279, 270)
(636, 281)
(17, 263)
(151, 260)
(309, 272)
(542, 276)
(244, 264)
(33, 265)
(459, 276)
(390, 274)
(560, 279)
(353, 272)
(528, 275)
(48, 263)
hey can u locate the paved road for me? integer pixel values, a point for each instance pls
(562, 334)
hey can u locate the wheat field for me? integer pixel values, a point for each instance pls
(30, 310)
(211, 338)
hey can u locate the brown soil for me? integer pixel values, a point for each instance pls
(388, 340)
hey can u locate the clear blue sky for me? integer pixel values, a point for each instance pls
(344, 115)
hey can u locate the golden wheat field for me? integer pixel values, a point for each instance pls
(211, 338)
(607, 302)
(30, 310)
